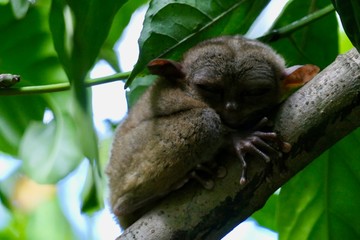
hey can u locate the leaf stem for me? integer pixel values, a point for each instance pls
(287, 30)
(58, 87)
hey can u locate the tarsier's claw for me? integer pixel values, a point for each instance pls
(286, 147)
(242, 180)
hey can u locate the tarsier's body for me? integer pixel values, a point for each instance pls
(195, 108)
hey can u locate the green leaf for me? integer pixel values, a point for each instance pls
(322, 201)
(171, 27)
(85, 29)
(16, 114)
(349, 12)
(50, 151)
(266, 216)
(304, 45)
(80, 28)
(4, 2)
(92, 194)
(48, 222)
(4, 200)
(26, 49)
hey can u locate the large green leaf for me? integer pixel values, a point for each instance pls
(26, 49)
(50, 151)
(349, 12)
(171, 27)
(308, 45)
(322, 201)
(48, 222)
(266, 216)
(79, 34)
(80, 28)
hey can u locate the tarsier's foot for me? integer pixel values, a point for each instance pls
(258, 143)
(205, 174)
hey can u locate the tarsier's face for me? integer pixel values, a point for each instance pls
(238, 86)
(240, 95)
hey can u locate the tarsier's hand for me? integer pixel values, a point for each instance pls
(258, 143)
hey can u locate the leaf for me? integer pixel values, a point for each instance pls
(304, 45)
(322, 201)
(4, 200)
(349, 12)
(50, 151)
(48, 222)
(171, 27)
(16, 114)
(92, 194)
(26, 49)
(78, 40)
(266, 216)
(85, 31)
(4, 2)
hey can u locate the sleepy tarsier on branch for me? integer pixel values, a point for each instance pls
(211, 104)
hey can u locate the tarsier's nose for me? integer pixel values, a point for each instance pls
(231, 106)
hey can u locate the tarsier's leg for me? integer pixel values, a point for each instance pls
(204, 174)
(258, 143)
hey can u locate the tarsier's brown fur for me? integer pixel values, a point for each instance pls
(195, 108)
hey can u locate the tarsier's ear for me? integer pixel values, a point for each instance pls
(166, 68)
(297, 76)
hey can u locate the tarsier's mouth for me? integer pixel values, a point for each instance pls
(233, 122)
(241, 122)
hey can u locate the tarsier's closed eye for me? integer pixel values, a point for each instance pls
(256, 92)
(214, 89)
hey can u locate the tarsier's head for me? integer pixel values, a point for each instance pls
(238, 77)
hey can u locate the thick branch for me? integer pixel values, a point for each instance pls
(313, 119)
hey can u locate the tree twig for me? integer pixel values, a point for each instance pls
(58, 87)
(289, 29)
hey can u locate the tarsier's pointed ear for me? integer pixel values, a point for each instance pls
(166, 68)
(297, 76)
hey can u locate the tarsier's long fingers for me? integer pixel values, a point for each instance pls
(260, 144)
(263, 123)
(272, 136)
(244, 165)
(248, 146)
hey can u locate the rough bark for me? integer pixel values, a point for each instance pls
(312, 120)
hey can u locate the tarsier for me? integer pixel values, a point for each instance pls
(215, 98)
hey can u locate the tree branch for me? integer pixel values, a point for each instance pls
(58, 87)
(312, 119)
(293, 27)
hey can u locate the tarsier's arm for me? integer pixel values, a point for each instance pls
(216, 97)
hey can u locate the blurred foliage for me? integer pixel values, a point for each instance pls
(59, 41)
(349, 14)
